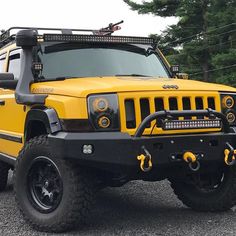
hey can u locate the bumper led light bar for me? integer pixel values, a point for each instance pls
(191, 124)
(96, 39)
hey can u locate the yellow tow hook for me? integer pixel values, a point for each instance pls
(192, 161)
(145, 160)
(229, 155)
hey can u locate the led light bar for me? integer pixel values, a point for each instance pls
(191, 124)
(96, 39)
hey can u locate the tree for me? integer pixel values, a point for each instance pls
(203, 36)
(223, 58)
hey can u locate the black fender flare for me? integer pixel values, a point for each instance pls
(48, 116)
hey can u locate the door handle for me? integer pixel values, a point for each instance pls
(2, 102)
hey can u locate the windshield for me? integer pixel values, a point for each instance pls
(73, 60)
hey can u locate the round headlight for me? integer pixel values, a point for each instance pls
(100, 104)
(228, 102)
(104, 111)
(104, 122)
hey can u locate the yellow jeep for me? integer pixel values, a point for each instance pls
(82, 109)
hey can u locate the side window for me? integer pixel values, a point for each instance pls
(2, 62)
(14, 63)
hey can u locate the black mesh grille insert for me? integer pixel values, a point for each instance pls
(130, 114)
(199, 103)
(211, 103)
(159, 106)
(199, 106)
(173, 104)
(186, 105)
(145, 109)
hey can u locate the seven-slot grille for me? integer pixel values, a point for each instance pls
(142, 104)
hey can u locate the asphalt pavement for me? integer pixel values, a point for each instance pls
(138, 208)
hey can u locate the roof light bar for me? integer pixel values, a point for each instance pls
(96, 39)
(191, 124)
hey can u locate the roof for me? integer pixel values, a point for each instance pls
(7, 36)
(75, 35)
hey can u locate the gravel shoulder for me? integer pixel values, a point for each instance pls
(138, 208)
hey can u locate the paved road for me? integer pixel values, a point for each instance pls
(138, 208)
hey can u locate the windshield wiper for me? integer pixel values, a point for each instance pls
(137, 75)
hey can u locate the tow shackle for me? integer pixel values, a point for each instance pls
(145, 160)
(230, 154)
(192, 161)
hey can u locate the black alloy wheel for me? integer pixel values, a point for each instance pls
(44, 184)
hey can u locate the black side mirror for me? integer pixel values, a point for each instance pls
(6, 76)
(7, 81)
(26, 38)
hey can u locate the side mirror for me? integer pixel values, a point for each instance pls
(182, 76)
(26, 38)
(7, 81)
(6, 76)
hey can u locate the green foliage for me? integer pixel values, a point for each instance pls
(203, 41)
(159, 8)
(224, 59)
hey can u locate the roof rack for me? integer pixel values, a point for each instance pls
(7, 36)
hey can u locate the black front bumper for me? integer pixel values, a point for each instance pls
(118, 152)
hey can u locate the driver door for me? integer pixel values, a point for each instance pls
(12, 115)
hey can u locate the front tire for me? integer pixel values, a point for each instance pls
(210, 192)
(53, 195)
(4, 169)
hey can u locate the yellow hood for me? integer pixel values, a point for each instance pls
(82, 87)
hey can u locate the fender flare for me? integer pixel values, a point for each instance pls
(47, 116)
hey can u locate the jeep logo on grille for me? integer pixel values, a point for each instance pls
(170, 86)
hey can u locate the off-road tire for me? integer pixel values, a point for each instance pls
(4, 169)
(77, 194)
(220, 199)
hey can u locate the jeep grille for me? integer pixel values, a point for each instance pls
(135, 108)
